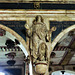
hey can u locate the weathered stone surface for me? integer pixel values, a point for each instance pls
(42, 1)
(41, 67)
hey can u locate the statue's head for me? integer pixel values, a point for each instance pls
(38, 19)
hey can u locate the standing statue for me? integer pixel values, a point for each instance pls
(38, 35)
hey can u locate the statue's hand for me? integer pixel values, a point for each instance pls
(27, 26)
(48, 36)
(53, 29)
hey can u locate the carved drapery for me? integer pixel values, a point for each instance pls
(39, 36)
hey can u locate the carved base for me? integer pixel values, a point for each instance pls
(41, 67)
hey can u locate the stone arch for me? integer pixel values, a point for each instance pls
(60, 35)
(17, 36)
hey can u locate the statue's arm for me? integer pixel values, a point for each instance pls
(48, 36)
(28, 30)
(49, 33)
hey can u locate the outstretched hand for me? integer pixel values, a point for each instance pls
(26, 26)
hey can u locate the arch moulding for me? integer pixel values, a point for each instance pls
(19, 38)
(60, 35)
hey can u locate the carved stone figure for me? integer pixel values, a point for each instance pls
(38, 35)
(42, 52)
(38, 38)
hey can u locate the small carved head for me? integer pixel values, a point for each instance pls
(38, 19)
(43, 46)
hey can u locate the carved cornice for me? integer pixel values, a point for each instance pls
(43, 1)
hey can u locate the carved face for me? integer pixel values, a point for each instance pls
(43, 46)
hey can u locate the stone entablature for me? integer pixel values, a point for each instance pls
(24, 15)
(40, 1)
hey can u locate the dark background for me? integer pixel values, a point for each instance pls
(17, 26)
(60, 26)
(14, 71)
(31, 6)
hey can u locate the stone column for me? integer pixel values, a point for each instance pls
(27, 68)
(27, 61)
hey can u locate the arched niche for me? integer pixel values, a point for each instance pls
(22, 45)
(60, 53)
(19, 38)
(60, 35)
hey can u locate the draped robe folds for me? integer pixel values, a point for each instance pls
(37, 34)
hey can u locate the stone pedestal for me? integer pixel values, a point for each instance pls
(41, 67)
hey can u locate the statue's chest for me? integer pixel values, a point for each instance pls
(39, 29)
